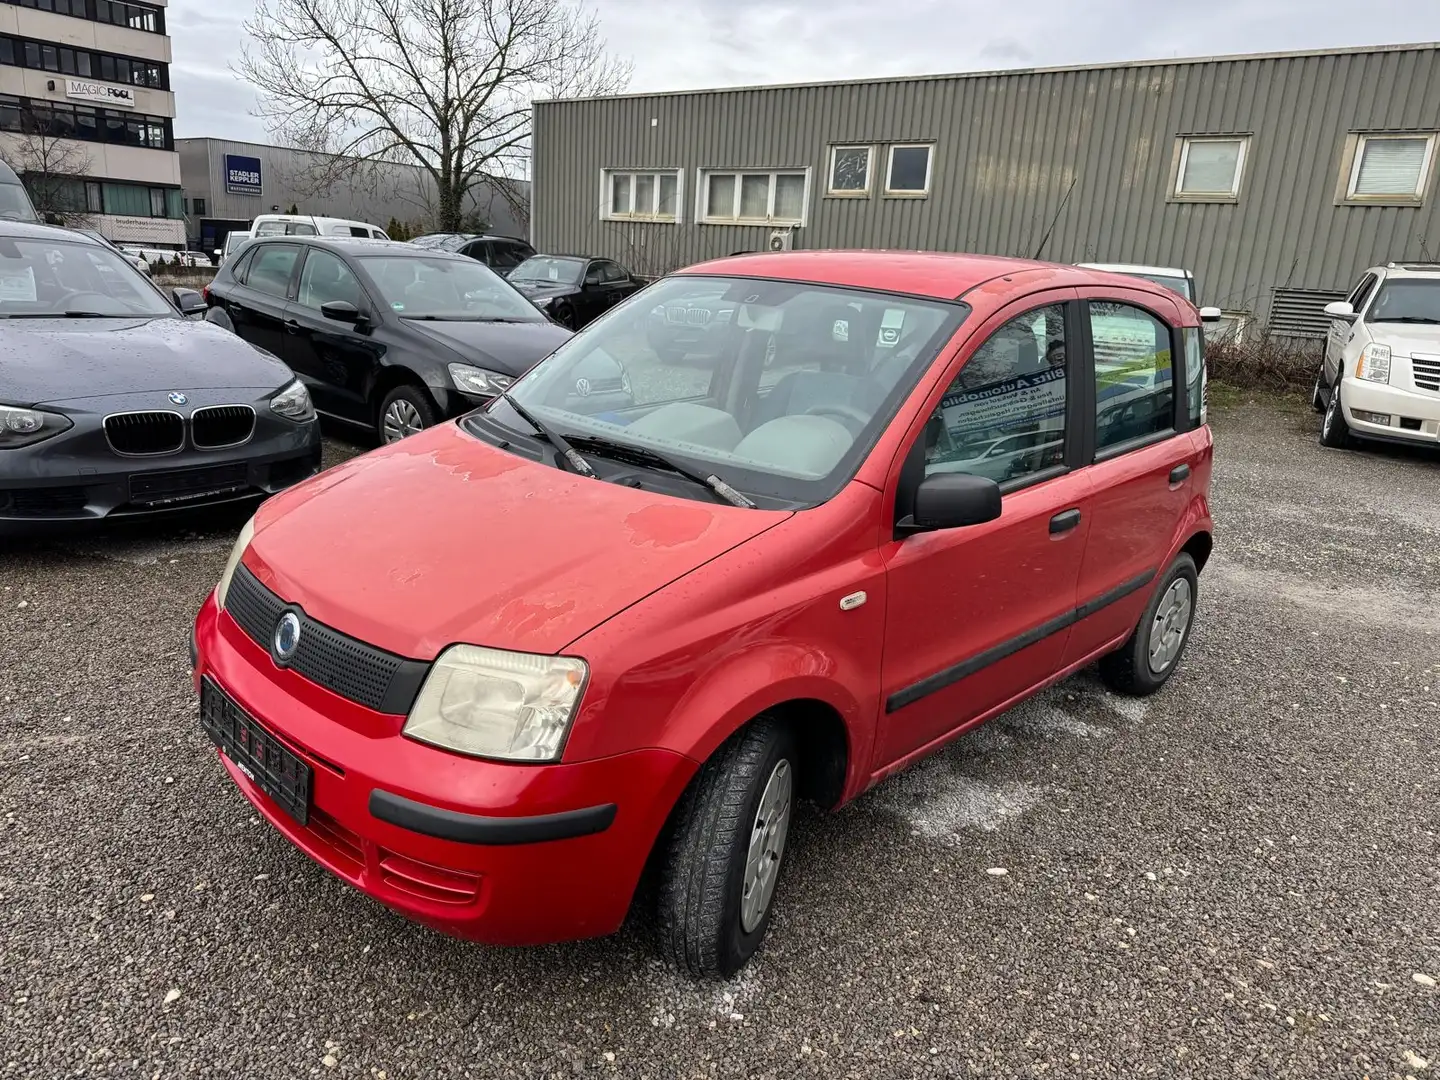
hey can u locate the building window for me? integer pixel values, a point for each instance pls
(1390, 168)
(734, 197)
(157, 202)
(850, 170)
(1209, 170)
(909, 170)
(94, 202)
(200, 208)
(641, 196)
(115, 12)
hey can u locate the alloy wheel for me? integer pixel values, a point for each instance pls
(1167, 631)
(402, 419)
(767, 845)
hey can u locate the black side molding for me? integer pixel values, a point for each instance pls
(494, 831)
(965, 668)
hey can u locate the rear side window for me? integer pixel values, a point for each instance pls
(242, 265)
(271, 267)
(1195, 380)
(1134, 374)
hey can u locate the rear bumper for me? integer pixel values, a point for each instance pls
(1413, 417)
(502, 854)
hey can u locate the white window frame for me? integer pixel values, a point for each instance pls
(608, 214)
(851, 193)
(1177, 190)
(890, 192)
(1405, 197)
(702, 197)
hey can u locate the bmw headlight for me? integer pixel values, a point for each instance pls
(247, 533)
(21, 427)
(1374, 365)
(494, 704)
(474, 380)
(293, 403)
(544, 302)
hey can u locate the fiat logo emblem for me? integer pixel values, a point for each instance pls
(287, 637)
(177, 398)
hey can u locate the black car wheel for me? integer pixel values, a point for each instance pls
(564, 314)
(405, 411)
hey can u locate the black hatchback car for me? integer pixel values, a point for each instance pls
(389, 335)
(574, 289)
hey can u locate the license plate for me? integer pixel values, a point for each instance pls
(264, 760)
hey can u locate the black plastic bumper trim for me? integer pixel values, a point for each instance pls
(494, 831)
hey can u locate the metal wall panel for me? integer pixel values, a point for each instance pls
(1008, 146)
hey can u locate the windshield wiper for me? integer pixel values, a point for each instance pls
(1423, 319)
(554, 438)
(65, 315)
(641, 455)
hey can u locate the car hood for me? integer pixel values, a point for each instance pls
(62, 359)
(541, 290)
(510, 348)
(1406, 338)
(441, 538)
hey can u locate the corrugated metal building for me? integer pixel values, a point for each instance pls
(1275, 178)
(226, 183)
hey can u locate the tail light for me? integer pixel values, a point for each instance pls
(205, 292)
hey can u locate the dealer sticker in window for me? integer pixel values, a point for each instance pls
(890, 326)
(18, 285)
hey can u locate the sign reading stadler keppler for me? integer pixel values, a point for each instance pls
(242, 174)
(99, 93)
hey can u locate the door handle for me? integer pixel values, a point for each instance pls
(292, 326)
(1179, 473)
(1064, 522)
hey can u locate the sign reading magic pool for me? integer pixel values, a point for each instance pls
(99, 93)
(242, 175)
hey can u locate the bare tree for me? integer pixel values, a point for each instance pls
(54, 171)
(443, 84)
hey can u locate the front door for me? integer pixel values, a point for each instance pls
(1342, 331)
(979, 616)
(338, 362)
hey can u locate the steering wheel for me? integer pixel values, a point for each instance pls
(842, 412)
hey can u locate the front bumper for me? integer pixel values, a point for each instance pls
(1414, 416)
(502, 854)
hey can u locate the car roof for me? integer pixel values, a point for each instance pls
(1137, 268)
(934, 274)
(361, 243)
(25, 230)
(1407, 269)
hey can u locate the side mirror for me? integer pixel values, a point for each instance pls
(1340, 309)
(1210, 314)
(189, 302)
(341, 311)
(952, 501)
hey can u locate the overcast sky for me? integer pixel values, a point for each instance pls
(744, 42)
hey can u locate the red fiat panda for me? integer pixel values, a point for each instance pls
(871, 500)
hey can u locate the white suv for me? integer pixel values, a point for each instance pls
(1381, 375)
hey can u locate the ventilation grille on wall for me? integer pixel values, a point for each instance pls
(1301, 312)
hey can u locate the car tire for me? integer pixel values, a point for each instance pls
(1334, 430)
(405, 410)
(714, 909)
(1147, 660)
(564, 314)
(1317, 392)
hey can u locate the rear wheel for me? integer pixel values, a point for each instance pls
(726, 851)
(1145, 662)
(405, 411)
(1334, 431)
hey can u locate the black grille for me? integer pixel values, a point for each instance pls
(366, 675)
(221, 425)
(1427, 372)
(189, 485)
(42, 502)
(145, 432)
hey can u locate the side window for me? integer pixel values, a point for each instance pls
(325, 278)
(481, 251)
(1195, 376)
(506, 256)
(270, 269)
(610, 272)
(593, 274)
(1004, 415)
(1134, 374)
(242, 266)
(1362, 292)
(299, 228)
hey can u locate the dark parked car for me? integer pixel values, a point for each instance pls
(573, 289)
(501, 253)
(114, 404)
(388, 335)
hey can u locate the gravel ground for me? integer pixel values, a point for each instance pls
(1236, 878)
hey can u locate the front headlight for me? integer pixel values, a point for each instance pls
(494, 704)
(247, 533)
(293, 403)
(474, 380)
(1374, 363)
(21, 427)
(544, 301)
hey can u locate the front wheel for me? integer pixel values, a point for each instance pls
(405, 411)
(1145, 662)
(1334, 430)
(726, 851)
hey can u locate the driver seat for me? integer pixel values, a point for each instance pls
(843, 339)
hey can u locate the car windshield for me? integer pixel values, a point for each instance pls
(447, 287)
(548, 270)
(57, 278)
(285, 228)
(780, 389)
(1407, 300)
(1179, 285)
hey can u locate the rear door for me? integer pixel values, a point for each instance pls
(338, 362)
(1143, 477)
(976, 617)
(256, 305)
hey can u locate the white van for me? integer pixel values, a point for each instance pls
(310, 225)
(233, 239)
